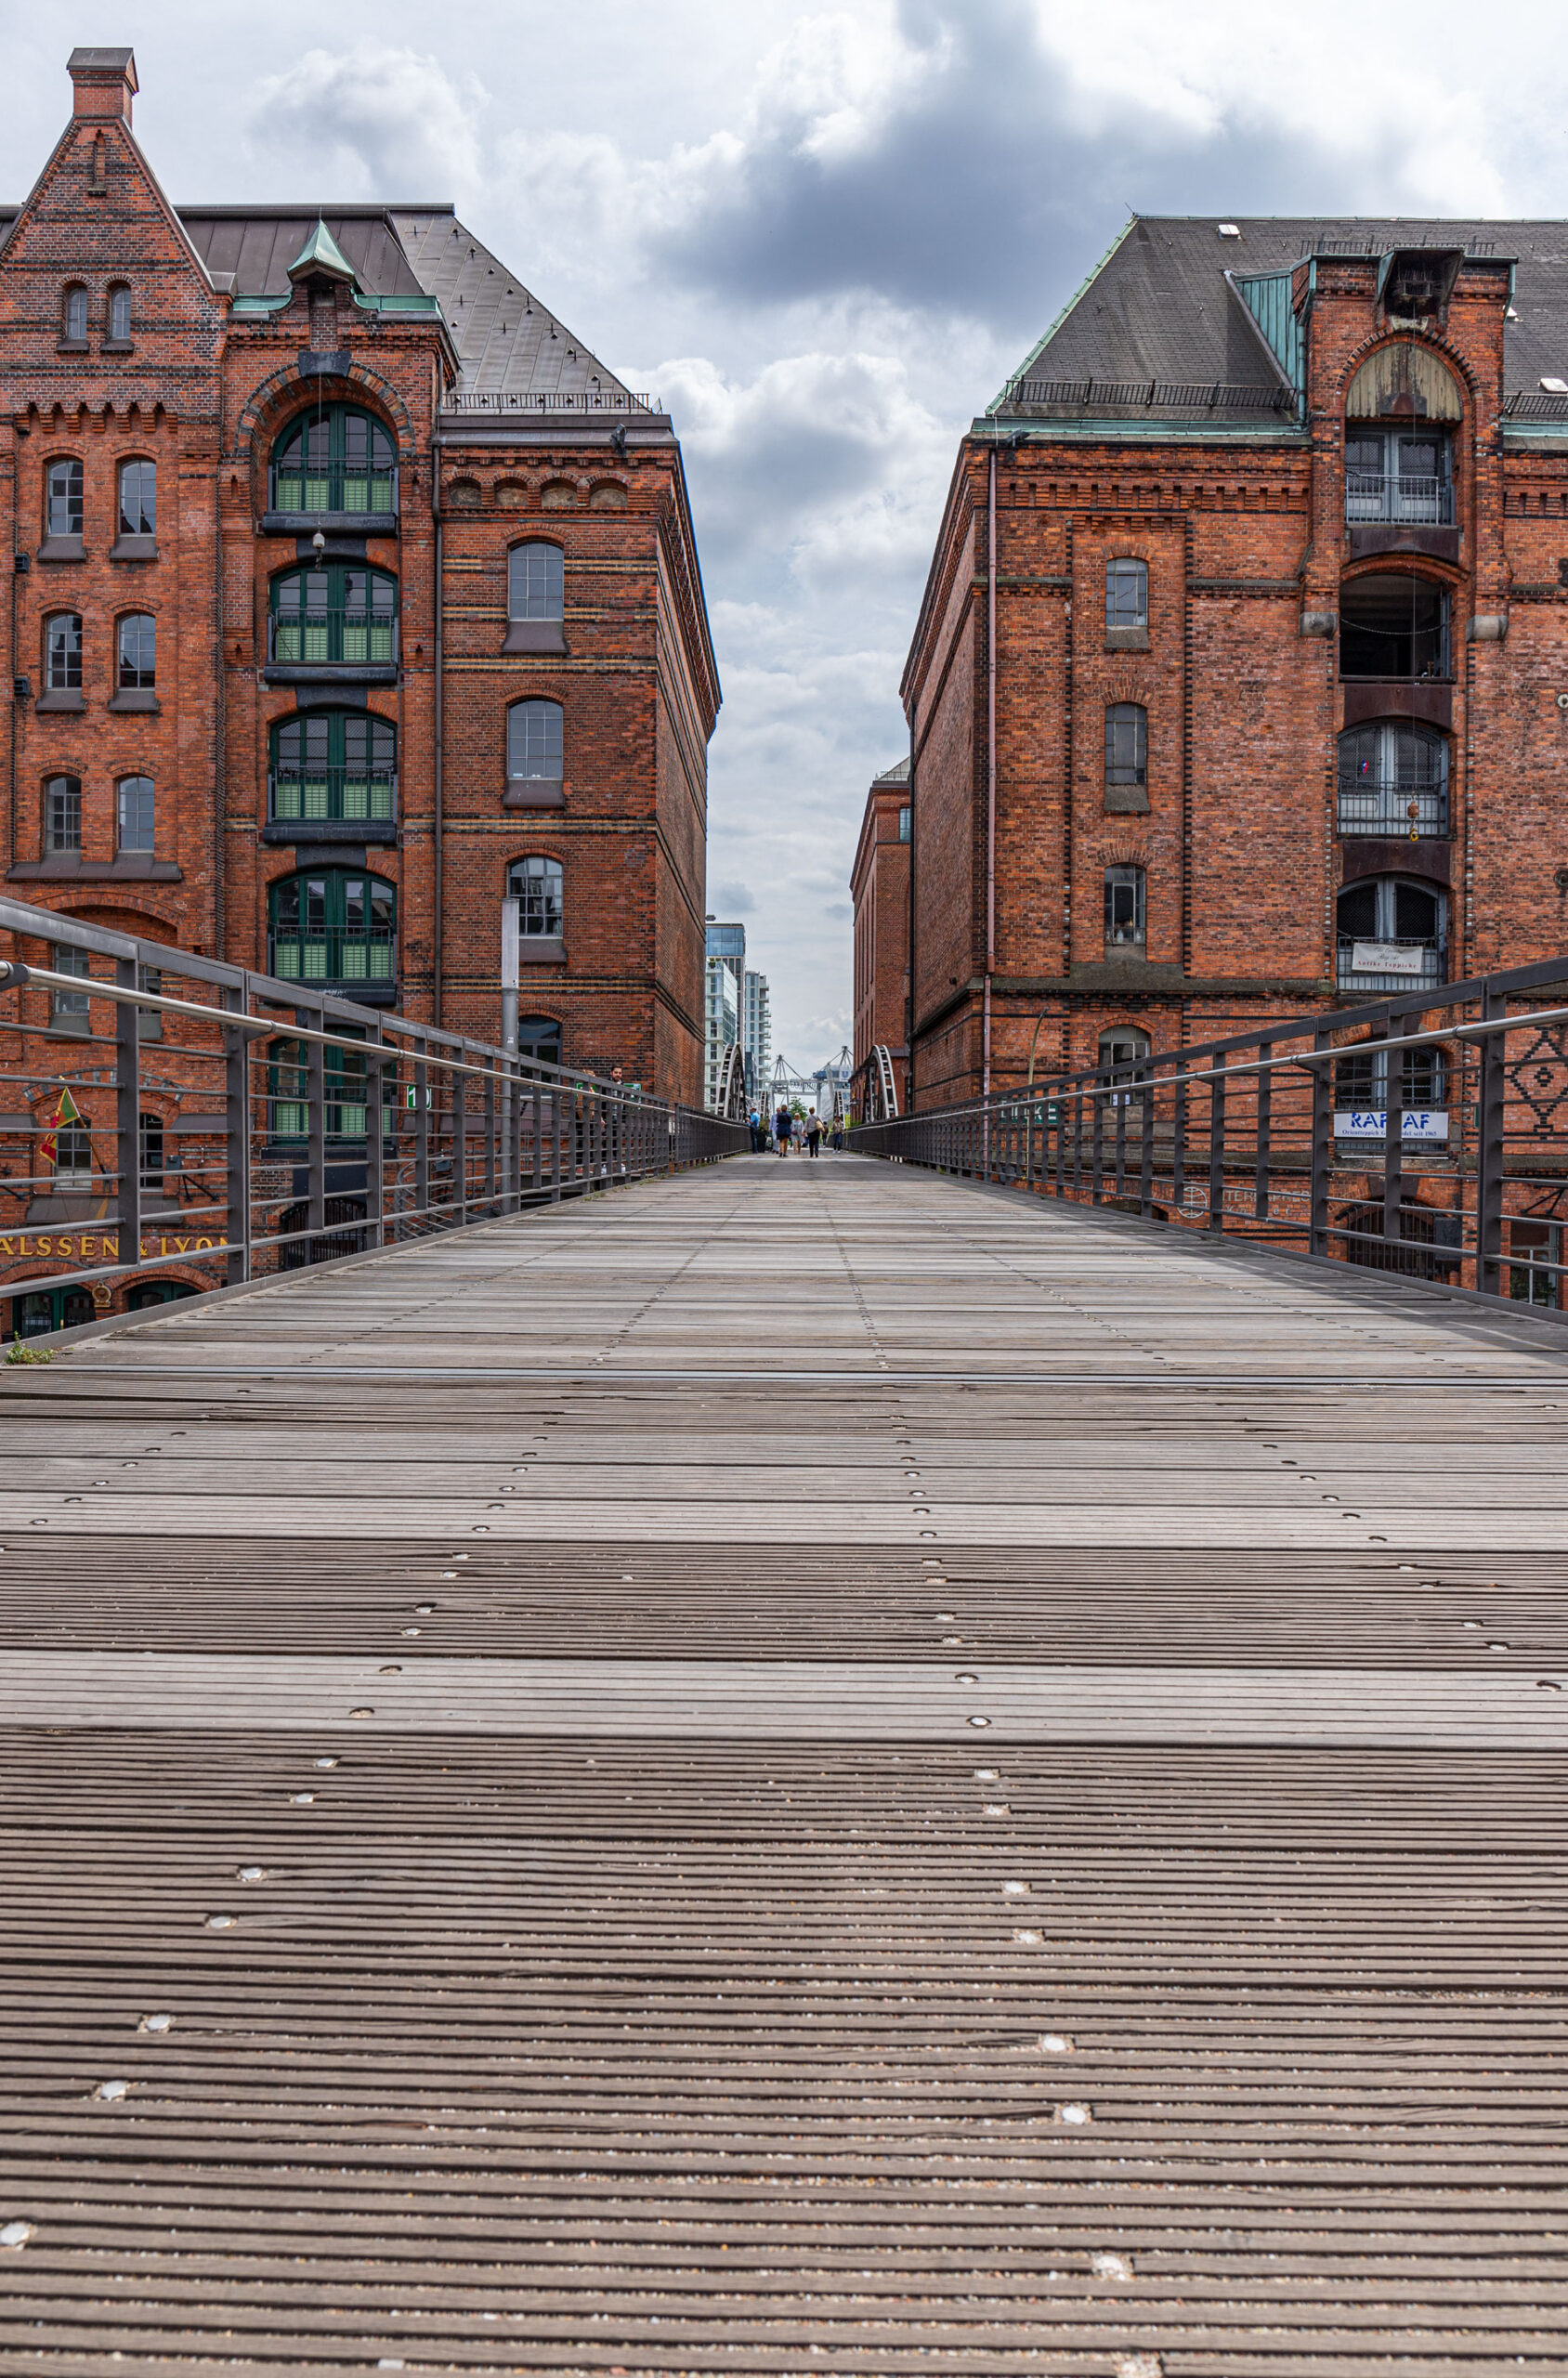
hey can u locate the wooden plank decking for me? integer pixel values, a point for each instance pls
(805, 1768)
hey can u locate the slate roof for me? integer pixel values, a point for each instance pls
(1159, 309)
(508, 343)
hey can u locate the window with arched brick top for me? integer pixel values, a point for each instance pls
(535, 743)
(73, 314)
(535, 582)
(120, 318)
(335, 459)
(536, 883)
(138, 498)
(63, 496)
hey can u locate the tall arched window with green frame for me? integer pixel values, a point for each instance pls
(334, 459)
(334, 764)
(339, 615)
(335, 926)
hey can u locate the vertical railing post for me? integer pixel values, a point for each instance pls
(490, 1136)
(1394, 1133)
(236, 1143)
(1121, 1097)
(1261, 1169)
(1146, 1151)
(460, 1138)
(314, 1135)
(422, 1137)
(127, 1111)
(1179, 1138)
(1216, 1144)
(376, 1055)
(1077, 1141)
(1323, 1144)
(537, 1136)
(1097, 1138)
(1489, 1121)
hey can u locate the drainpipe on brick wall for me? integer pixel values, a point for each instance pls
(438, 940)
(990, 769)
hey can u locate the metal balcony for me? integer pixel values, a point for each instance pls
(358, 639)
(343, 490)
(1379, 968)
(1405, 502)
(336, 958)
(335, 792)
(1393, 807)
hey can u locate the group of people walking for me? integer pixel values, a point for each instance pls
(802, 1134)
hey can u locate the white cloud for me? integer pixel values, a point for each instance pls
(370, 122)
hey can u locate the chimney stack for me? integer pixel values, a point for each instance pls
(104, 81)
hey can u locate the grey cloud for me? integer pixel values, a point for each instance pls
(982, 190)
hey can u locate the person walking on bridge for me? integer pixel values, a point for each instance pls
(814, 1132)
(781, 1129)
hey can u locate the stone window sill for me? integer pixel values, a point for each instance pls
(62, 549)
(540, 949)
(535, 635)
(134, 549)
(534, 792)
(1126, 800)
(1127, 639)
(61, 698)
(117, 347)
(70, 347)
(134, 698)
(70, 866)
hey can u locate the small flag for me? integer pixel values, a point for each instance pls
(66, 1112)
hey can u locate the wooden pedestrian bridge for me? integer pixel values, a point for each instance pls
(797, 1766)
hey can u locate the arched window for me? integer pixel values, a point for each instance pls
(1393, 779)
(120, 312)
(73, 314)
(341, 615)
(62, 814)
(538, 1039)
(137, 651)
(1127, 756)
(1127, 596)
(336, 927)
(1124, 909)
(534, 582)
(335, 459)
(135, 807)
(535, 883)
(535, 743)
(62, 652)
(1393, 936)
(138, 499)
(330, 764)
(1123, 1057)
(1394, 624)
(63, 497)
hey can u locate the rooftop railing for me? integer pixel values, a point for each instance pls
(588, 400)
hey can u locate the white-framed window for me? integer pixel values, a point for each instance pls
(535, 742)
(536, 884)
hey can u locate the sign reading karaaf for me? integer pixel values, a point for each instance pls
(1425, 1125)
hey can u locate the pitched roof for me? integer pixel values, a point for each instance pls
(898, 774)
(1158, 328)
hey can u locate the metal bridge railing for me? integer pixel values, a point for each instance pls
(167, 1118)
(1287, 1136)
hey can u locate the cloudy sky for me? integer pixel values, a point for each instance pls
(823, 238)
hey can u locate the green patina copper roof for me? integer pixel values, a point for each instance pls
(321, 254)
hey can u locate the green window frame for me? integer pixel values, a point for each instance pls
(335, 926)
(340, 616)
(333, 765)
(343, 1085)
(337, 458)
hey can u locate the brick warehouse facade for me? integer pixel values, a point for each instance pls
(1262, 702)
(879, 886)
(412, 600)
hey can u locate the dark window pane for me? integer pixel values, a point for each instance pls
(135, 813)
(536, 882)
(1126, 740)
(1126, 594)
(535, 582)
(63, 511)
(62, 652)
(120, 314)
(138, 499)
(138, 652)
(62, 817)
(535, 741)
(76, 313)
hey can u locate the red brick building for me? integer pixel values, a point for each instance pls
(880, 887)
(1240, 685)
(350, 589)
